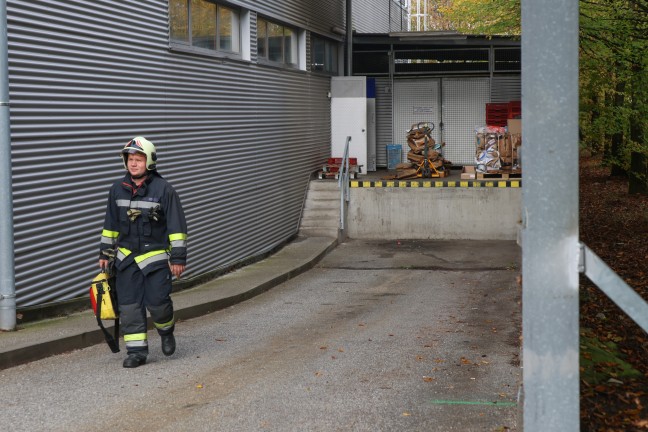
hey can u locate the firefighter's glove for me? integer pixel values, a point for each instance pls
(108, 254)
(133, 214)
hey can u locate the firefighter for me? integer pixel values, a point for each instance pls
(145, 233)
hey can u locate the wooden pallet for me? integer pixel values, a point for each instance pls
(504, 175)
(335, 168)
(322, 175)
(411, 173)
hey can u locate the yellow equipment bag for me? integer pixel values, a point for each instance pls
(103, 298)
(104, 301)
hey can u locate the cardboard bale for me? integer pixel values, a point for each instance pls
(438, 163)
(414, 146)
(406, 173)
(418, 145)
(516, 144)
(515, 126)
(414, 157)
(433, 155)
(404, 165)
(505, 148)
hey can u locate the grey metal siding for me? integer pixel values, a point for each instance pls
(253, 37)
(506, 88)
(377, 16)
(315, 15)
(237, 140)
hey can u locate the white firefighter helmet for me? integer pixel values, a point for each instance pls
(142, 146)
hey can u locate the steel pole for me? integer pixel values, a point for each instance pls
(7, 279)
(550, 215)
(349, 38)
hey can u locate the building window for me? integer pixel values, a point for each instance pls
(324, 55)
(277, 43)
(205, 25)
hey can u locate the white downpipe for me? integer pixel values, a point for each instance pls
(7, 277)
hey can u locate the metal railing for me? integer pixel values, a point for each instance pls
(343, 183)
(613, 286)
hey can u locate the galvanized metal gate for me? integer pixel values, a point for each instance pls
(454, 105)
(463, 109)
(415, 101)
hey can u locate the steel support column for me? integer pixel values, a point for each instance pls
(550, 215)
(349, 39)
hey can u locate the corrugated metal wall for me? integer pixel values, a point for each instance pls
(506, 88)
(378, 16)
(313, 15)
(237, 140)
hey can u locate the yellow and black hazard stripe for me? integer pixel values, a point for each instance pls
(436, 184)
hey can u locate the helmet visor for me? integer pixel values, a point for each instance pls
(133, 147)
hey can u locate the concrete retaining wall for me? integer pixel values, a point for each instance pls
(434, 213)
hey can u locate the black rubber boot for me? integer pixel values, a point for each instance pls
(134, 360)
(168, 344)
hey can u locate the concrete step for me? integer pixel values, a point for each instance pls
(321, 204)
(321, 210)
(321, 213)
(323, 194)
(323, 185)
(314, 222)
(318, 232)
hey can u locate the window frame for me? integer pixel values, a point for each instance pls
(329, 44)
(293, 46)
(187, 43)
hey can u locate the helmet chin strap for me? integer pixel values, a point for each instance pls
(137, 177)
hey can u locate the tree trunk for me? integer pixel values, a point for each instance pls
(616, 148)
(638, 176)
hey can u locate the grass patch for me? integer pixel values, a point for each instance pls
(600, 361)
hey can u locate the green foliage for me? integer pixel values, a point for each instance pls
(613, 78)
(485, 17)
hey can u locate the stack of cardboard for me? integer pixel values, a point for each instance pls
(515, 136)
(497, 149)
(417, 137)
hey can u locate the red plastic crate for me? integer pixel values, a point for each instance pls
(493, 108)
(514, 109)
(496, 122)
(497, 114)
(338, 161)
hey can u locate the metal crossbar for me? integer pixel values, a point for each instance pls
(613, 286)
